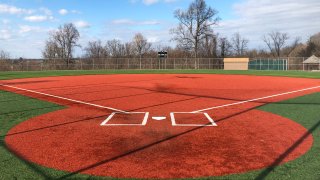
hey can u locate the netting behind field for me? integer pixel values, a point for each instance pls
(268, 64)
(287, 63)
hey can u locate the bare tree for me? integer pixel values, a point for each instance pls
(51, 50)
(129, 49)
(194, 24)
(208, 46)
(275, 42)
(239, 44)
(63, 41)
(4, 55)
(291, 48)
(5, 63)
(224, 47)
(115, 48)
(312, 47)
(141, 44)
(95, 49)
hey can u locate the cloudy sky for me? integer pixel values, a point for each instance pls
(24, 25)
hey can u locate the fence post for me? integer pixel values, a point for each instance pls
(117, 63)
(80, 63)
(140, 62)
(165, 63)
(128, 63)
(12, 68)
(260, 64)
(174, 63)
(195, 63)
(54, 63)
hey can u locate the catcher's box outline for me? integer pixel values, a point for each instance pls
(143, 123)
(174, 123)
(172, 115)
(210, 123)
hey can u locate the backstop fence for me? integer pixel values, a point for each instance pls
(291, 63)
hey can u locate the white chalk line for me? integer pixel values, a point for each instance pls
(256, 99)
(197, 111)
(68, 99)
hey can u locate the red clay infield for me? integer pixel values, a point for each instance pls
(245, 138)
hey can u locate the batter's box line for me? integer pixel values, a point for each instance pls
(144, 121)
(210, 124)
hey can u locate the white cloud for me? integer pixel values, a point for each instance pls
(5, 34)
(38, 18)
(256, 18)
(151, 2)
(134, 23)
(63, 11)
(46, 11)
(153, 39)
(26, 29)
(81, 24)
(8, 9)
(5, 21)
(75, 12)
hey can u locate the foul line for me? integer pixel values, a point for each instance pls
(256, 99)
(72, 100)
(197, 111)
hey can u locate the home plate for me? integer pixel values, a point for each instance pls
(158, 118)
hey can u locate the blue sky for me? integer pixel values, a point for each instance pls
(29, 22)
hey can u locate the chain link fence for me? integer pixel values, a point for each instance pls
(291, 63)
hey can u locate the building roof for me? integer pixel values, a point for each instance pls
(312, 60)
(236, 60)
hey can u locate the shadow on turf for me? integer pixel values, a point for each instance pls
(62, 124)
(29, 82)
(260, 176)
(41, 173)
(74, 103)
(160, 90)
(32, 166)
(278, 161)
(87, 85)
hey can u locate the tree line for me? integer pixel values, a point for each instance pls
(194, 37)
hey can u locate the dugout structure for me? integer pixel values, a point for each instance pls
(312, 64)
(268, 64)
(236, 63)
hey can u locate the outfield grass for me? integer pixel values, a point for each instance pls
(32, 74)
(304, 110)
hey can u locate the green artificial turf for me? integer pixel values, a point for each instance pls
(14, 110)
(32, 74)
(304, 110)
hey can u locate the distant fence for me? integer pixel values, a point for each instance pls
(292, 63)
